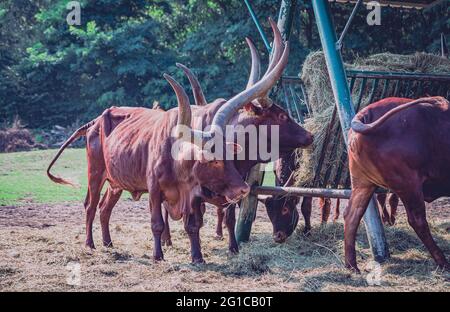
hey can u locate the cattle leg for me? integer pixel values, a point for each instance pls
(230, 221)
(356, 208)
(306, 212)
(107, 204)
(415, 210)
(192, 224)
(336, 210)
(393, 205)
(220, 216)
(325, 207)
(157, 224)
(95, 185)
(166, 239)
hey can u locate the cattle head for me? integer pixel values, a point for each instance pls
(215, 176)
(283, 214)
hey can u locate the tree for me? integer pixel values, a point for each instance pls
(113, 58)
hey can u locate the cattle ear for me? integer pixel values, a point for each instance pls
(252, 108)
(234, 148)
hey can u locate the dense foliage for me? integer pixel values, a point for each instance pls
(53, 73)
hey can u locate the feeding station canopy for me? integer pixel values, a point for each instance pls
(408, 4)
(345, 109)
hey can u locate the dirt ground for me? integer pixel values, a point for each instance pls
(42, 249)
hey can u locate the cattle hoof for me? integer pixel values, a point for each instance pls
(353, 269)
(233, 251)
(218, 237)
(157, 259)
(198, 261)
(90, 245)
(307, 232)
(108, 245)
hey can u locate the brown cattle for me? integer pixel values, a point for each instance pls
(131, 149)
(404, 146)
(259, 112)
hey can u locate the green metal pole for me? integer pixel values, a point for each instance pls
(285, 17)
(249, 204)
(346, 111)
(258, 25)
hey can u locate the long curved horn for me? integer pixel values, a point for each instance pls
(277, 46)
(184, 107)
(199, 97)
(256, 91)
(276, 54)
(255, 71)
(184, 114)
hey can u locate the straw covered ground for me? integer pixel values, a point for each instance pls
(40, 244)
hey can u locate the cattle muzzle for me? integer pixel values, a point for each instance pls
(280, 237)
(237, 193)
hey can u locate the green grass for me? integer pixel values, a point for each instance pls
(269, 178)
(23, 177)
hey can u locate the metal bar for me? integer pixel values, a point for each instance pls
(361, 93)
(444, 48)
(347, 25)
(372, 92)
(336, 142)
(419, 89)
(396, 75)
(352, 84)
(305, 96)
(397, 87)
(403, 3)
(385, 75)
(300, 191)
(258, 25)
(298, 106)
(340, 168)
(326, 141)
(385, 88)
(408, 88)
(286, 95)
(286, 17)
(299, 117)
(338, 78)
(306, 191)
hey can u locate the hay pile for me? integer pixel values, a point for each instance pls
(321, 101)
(16, 139)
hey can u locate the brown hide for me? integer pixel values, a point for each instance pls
(402, 145)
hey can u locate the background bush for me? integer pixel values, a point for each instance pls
(51, 73)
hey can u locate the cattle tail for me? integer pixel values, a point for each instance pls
(358, 126)
(80, 132)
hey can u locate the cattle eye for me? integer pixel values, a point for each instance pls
(284, 211)
(216, 163)
(284, 117)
